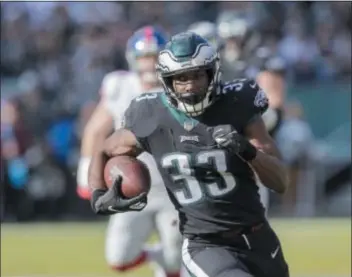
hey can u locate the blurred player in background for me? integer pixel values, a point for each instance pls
(207, 30)
(245, 54)
(295, 139)
(127, 233)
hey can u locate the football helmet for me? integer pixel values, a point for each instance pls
(187, 52)
(233, 24)
(146, 41)
(238, 27)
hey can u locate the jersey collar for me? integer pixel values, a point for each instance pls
(187, 122)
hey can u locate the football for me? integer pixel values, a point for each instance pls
(135, 175)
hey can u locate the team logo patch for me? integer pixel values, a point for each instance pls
(189, 138)
(260, 99)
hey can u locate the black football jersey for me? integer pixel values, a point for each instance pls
(211, 189)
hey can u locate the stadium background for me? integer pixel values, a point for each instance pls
(53, 58)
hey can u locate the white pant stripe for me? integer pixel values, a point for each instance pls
(189, 263)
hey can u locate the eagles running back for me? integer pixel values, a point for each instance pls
(203, 184)
(207, 139)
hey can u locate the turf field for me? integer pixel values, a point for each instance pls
(313, 248)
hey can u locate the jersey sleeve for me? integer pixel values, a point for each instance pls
(250, 100)
(140, 120)
(255, 98)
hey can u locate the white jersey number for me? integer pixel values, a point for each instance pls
(194, 190)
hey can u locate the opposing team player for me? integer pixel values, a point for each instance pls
(207, 139)
(127, 233)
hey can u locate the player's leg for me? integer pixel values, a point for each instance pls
(125, 238)
(166, 220)
(265, 257)
(203, 260)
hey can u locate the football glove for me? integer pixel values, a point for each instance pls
(111, 201)
(227, 137)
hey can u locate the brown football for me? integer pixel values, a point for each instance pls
(135, 175)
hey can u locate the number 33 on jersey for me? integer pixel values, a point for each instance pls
(194, 189)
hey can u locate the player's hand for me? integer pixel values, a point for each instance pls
(112, 201)
(227, 137)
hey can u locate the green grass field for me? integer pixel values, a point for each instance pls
(313, 248)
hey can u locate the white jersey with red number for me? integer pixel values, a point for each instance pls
(117, 91)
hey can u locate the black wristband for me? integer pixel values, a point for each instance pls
(96, 194)
(249, 153)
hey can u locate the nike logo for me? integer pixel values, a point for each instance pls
(253, 86)
(273, 254)
(111, 209)
(138, 206)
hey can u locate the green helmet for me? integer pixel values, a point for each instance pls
(187, 52)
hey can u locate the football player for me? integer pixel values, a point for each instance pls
(207, 138)
(245, 54)
(127, 233)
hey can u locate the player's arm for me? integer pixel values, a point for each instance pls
(267, 161)
(99, 126)
(106, 201)
(122, 142)
(274, 85)
(265, 157)
(272, 81)
(254, 144)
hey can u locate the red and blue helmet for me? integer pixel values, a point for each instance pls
(148, 40)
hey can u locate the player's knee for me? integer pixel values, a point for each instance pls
(125, 262)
